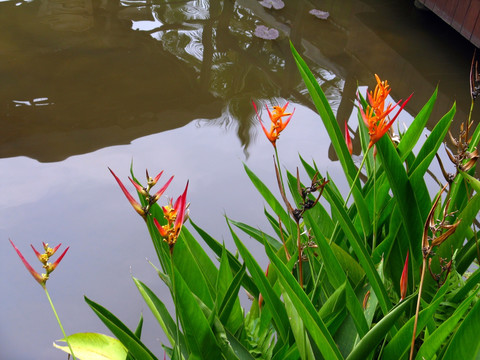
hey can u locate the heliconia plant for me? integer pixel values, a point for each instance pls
(343, 276)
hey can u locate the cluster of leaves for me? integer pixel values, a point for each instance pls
(347, 304)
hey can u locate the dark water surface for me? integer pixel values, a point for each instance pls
(87, 84)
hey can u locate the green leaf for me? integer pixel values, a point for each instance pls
(272, 300)
(337, 275)
(411, 136)
(217, 248)
(93, 346)
(401, 342)
(194, 268)
(359, 248)
(474, 183)
(198, 335)
(125, 335)
(370, 341)
(230, 311)
(257, 234)
(464, 343)
(437, 338)
(403, 194)
(161, 313)
(313, 323)
(298, 330)
(271, 200)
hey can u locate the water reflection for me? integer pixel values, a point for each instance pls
(107, 72)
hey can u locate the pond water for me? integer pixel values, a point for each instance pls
(91, 84)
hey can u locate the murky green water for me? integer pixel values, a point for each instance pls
(89, 84)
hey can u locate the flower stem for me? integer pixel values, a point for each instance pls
(356, 178)
(59, 322)
(278, 165)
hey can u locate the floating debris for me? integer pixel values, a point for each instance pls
(264, 32)
(320, 14)
(276, 4)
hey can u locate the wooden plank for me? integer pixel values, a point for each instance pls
(471, 17)
(475, 37)
(445, 9)
(460, 13)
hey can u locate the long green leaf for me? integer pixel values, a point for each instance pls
(125, 335)
(270, 199)
(401, 342)
(411, 136)
(437, 339)
(313, 323)
(272, 300)
(161, 313)
(464, 343)
(298, 330)
(359, 248)
(403, 194)
(198, 334)
(217, 248)
(369, 342)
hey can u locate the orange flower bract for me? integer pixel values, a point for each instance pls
(277, 124)
(376, 114)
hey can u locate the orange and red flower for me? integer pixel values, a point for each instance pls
(150, 200)
(175, 215)
(43, 258)
(376, 115)
(277, 124)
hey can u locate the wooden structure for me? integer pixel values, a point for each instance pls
(462, 15)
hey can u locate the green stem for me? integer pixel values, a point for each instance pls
(278, 166)
(356, 178)
(59, 322)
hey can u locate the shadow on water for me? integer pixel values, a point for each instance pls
(79, 75)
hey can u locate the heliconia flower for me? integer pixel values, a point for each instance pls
(160, 192)
(404, 280)
(50, 267)
(152, 181)
(376, 116)
(277, 124)
(138, 208)
(348, 140)
(43, 258)
(39, 278)
(175, 216)
(48, 250)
